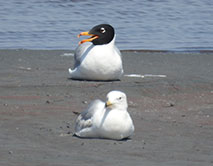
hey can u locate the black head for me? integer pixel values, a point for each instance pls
(105, 33)
(100, 34)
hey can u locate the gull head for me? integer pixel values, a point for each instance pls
(99, 34)
(116, 100)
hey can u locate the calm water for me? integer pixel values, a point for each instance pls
(139, 24)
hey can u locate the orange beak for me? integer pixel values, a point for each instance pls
(93, 37)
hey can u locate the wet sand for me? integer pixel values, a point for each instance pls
(173, 115)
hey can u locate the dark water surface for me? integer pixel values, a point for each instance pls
(140, 24)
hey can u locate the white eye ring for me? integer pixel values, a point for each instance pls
(103, 30)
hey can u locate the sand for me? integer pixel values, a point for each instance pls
(173, 114)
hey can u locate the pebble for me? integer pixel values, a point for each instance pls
(84, 102)
(10, 152)
(48, 102)
(170, 104)
(143, 141)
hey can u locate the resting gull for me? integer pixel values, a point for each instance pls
(108, 120)
(97, 58)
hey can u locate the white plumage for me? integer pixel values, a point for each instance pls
(97, 61)
(108, 120)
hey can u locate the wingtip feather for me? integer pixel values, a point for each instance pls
(70, 70)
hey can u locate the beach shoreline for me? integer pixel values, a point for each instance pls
(171, 105)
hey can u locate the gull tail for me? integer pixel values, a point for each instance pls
(73, 73)
(70, 71)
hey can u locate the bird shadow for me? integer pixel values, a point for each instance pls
(84, 138)
(85, 80)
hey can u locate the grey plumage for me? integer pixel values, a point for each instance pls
(81, 51)
(86, 115)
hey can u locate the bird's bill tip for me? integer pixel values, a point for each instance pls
(83, 34)
(108, 103)
(93, 37)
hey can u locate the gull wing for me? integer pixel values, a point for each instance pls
(85, 119)
(80, 51)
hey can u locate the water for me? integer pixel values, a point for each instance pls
(139, 24)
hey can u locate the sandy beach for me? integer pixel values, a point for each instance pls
(171, 106)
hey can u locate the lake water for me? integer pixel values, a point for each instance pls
(139, 24)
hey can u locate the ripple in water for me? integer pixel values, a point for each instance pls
(139, 24)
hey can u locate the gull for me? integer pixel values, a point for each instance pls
(97, 58)
(108, 120)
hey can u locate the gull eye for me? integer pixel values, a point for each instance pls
(119, 98)
(102, 30)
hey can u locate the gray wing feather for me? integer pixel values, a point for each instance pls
(79, 52)
(87, 114)
(84, 120)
